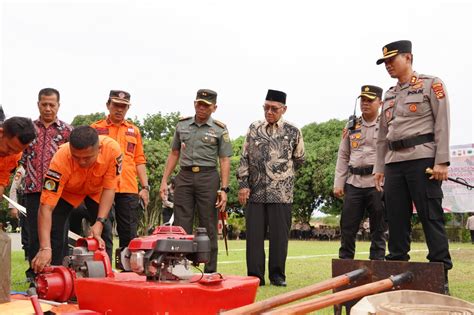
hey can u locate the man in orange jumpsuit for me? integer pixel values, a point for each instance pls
(85, 169)
(15, 135)
(128, 136)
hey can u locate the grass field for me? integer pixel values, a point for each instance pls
(310, 262)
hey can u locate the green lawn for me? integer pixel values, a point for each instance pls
(310, 262)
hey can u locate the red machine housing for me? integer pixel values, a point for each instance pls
(56, 283)
(158, 254)
(160, 233)
(87, 275)
(129, 293)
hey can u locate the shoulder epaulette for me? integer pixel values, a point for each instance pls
(426, 76)
(219, 123)
(185, 118)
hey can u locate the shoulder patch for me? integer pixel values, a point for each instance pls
(219, 123)
(225, 136)
(51, 184)
(185, 118)
(118, 164)
(17, 176)
(438, 90)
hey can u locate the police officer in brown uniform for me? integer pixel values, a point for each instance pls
(413, 135)
(354, 180)
(198, 142)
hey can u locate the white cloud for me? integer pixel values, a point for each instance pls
(162, 52)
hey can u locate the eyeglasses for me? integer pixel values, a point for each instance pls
(273, 109)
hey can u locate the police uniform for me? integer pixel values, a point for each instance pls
(17, 194)
(413, 135)
(355, 161)
(126, 202)
(198, 181)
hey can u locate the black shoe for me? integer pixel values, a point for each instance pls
(278, 282)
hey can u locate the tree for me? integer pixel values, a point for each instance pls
(232, 197)
(156, 152)
(158, 126)
(157, 131)
(86, 120)
(314, 180)
(233, 201)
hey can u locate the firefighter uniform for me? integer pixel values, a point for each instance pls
(126, 202)
(355, 161)
(8, 164)
(198, 181)
(66, 185)
(413, 135)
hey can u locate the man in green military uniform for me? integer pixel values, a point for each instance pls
(198, 142)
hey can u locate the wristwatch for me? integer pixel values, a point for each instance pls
(101, 220)
(225, 189)
(146, 187)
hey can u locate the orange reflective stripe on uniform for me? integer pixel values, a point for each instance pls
(65, 179)
(129, 138)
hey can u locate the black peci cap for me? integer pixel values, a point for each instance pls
(276, 96)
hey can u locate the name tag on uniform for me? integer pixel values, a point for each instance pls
(209, 139)
(102, 131)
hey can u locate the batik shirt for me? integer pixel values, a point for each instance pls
(270, 156)
(38, 154)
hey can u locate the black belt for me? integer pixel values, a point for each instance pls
(361, 170)
(197, 169)
(410, 142)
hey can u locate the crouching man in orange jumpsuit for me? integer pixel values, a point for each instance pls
(85, 169)
(15, 135)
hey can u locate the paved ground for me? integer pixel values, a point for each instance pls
(16, 241)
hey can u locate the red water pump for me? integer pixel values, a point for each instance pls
(166, 254)
(56, 283)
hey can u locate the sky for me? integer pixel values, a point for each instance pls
(319, 52)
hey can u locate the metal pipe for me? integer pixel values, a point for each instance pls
(259, 307)
(344, 296)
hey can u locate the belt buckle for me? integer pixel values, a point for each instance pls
(195, 169)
